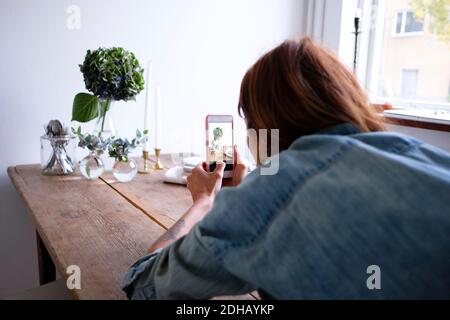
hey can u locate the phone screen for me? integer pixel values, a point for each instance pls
(220, 144)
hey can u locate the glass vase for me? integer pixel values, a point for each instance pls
(104, 127)
(91, 166)
(58, 155)
(124, 170)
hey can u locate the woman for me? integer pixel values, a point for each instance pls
(353, 211)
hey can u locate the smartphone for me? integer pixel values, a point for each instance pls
(219, 142)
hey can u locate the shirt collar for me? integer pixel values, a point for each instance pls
(340, 129)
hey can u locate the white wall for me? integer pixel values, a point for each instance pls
(200, 51)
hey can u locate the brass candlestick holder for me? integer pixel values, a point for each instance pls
(146, 157)
(158, 165)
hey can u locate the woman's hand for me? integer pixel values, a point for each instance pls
(239, 172)
(205, 185)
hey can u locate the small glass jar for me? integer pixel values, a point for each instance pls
(92, 166)
(58, 155)
(124, 170)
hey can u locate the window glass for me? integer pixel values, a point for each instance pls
(413, 24)
(409, 69)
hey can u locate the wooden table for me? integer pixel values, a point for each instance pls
(102, 226)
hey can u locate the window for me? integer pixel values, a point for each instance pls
(405, 71)
(409, 83)
(407, 23)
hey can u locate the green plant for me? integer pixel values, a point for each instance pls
(119, 148)
(439, 11)
(91, 141)
(217, 132)
(110, 74)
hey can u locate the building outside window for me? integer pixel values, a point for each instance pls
(408, 52)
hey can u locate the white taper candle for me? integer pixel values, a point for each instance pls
(148, 100)
(158, 118)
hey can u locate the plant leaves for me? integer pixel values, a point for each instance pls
(112, 73)
(84, 107)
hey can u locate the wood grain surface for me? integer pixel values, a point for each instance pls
(163, 202)
(84, 223)
(102, 226)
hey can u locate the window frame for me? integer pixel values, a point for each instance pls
(403, 32)
(368, 72)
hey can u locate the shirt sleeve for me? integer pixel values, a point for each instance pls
(187, 269)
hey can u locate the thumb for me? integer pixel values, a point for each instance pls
(239, 163)
(237, 156)
(220, 167)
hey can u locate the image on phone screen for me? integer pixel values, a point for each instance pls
(220, 144)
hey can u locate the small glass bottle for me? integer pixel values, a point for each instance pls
(124, 170)
(92, 166)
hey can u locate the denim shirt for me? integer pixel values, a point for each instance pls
(341, 201)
